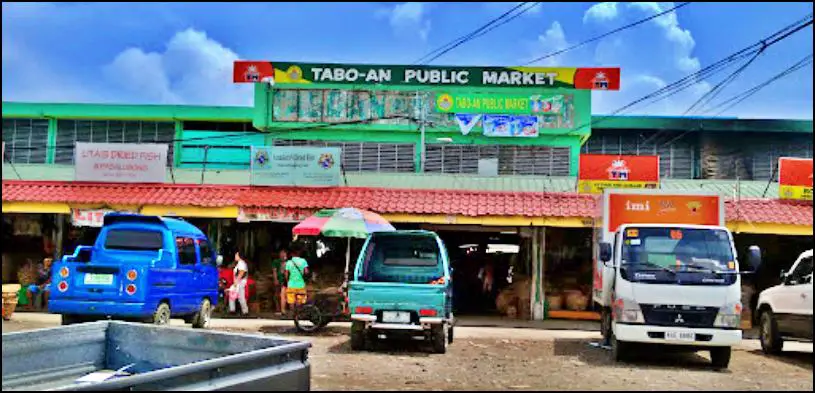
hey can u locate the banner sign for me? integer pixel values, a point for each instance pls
(466, 122)
(511, 126)
(295, 166)
(120, 162)
(795, 178)
(309, 74)
(89, 217)
(504, 104)
(600, 171)
(663, 209)
(273, 214)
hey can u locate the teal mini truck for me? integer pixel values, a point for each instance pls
(401, 287)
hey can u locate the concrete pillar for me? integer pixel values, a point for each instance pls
(538, 296)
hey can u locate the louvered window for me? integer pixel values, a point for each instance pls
(676, 153)
(367, 156)
(104, 131)
(26, 140)
(764, 156)
(511, 160)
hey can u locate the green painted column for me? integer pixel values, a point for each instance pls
(179, 136)
(574, 156)
(51, 147)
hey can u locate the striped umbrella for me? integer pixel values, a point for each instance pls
(346, 222)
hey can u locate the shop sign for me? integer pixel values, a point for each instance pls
(507, 104)
(795, 178)
(88, 217)
(273, 214)
(600, 171)
(295, 166)
(663, 209)
(120, 162)
(310, 74)
(511, 126)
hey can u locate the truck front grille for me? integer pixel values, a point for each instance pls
(678, 315)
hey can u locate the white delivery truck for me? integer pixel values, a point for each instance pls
(666, 272)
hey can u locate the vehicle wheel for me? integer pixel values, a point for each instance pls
(358, 336)
(771, 341)
(450, 335)
(438, 336)
(201, 319)
(324, 321)
(619, 349)
(720, 357)
(68, 319)
(162, 314)
(308, 318)
(605, 325)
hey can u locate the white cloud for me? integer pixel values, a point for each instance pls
(408, 18)
(601, 12)
(193, 69)
(552, 40)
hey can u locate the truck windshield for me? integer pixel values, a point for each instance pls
(122, 239)
(689, 256)
(406, 259)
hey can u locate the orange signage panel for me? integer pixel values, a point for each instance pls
(663, 209)
(795, 178)
(600, 171)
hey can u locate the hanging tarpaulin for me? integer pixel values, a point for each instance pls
(466, 122)
(511, 126)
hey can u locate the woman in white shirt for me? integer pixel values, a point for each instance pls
(241, 273)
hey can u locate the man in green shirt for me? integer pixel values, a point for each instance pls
(296, 269)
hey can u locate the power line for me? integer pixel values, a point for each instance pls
(441, 51)
(738, 98)
(719, 87)
(601, 36)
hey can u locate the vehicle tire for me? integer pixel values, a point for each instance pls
(720, 357)
(308, 318)
(438, 336)
(770, 337)
(620, 349)
(450, 335)
(605, 325)
(357, 336)
(202, 318)
(68, 319)
(162, 314)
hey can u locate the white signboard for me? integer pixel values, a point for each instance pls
(88, 217)
(120, 162)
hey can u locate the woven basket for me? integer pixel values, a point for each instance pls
(9, 305)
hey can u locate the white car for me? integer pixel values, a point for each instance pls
(785, 311)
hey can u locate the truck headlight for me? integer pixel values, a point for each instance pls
(627, 311)
(729, 316)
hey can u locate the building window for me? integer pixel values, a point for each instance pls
(511, 160)
(676, 153)
(111, 131)
(367, 156)
(26, 140)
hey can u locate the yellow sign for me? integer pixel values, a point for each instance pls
(597, 186)
(795, 192)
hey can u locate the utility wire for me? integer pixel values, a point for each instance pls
(601, 36)
(738, 98)
(441, 51)
(719, 87)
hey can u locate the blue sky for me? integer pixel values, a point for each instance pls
(182, 53)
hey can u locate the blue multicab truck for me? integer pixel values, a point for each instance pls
(140, 269)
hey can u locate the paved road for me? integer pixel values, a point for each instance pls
(518, 359)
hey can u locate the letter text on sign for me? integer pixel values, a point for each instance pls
(120, 162)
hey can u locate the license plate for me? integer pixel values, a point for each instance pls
(396, 317)
(98, 279)
(680, 336)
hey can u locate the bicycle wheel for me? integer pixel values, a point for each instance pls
(308, 318)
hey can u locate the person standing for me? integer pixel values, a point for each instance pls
(296, 270)
(279, 279)
(241, 274)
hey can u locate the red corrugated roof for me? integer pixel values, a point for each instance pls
(409, 201)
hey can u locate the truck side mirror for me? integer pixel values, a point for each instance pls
(219, 260)
(754, 257)
(605, 252)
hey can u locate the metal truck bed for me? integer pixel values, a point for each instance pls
(161, 358)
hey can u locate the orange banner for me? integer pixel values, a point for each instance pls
(663, 209)
(795, 178)
(601, 171)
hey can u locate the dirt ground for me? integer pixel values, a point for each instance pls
(526, 359)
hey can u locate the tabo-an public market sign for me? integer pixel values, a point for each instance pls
(308, 74)
(504, 104)
(295, 166)
(120, 162)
